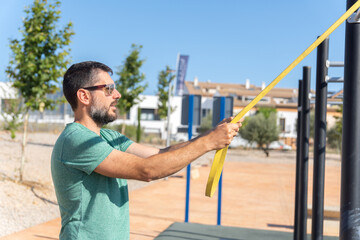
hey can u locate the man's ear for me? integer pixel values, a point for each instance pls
(83, 96)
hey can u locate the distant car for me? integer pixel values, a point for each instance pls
(279, 145)
(180, 137)
(240, 142)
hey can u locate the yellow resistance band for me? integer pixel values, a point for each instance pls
(220, 155)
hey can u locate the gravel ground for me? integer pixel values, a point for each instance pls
(32, 202)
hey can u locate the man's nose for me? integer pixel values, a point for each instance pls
(116, 94)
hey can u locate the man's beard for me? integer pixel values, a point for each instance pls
(100, 115)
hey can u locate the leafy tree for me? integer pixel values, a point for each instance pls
(206, 123)
(12, 116)
(261, 129)
(130, 82)
(164, 80)
(266, 111)
(39, 59)
(334, 134)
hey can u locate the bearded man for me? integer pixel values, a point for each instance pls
(90, 164)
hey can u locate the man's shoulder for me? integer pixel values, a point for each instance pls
(75, 132)
(116, 139)
(75, 128)
(109, 131)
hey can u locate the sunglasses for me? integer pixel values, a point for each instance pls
(109, 88)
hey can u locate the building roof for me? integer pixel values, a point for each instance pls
(244, 93)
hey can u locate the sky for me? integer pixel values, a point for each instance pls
(227, 41)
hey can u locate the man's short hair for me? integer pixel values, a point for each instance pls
(81, 75)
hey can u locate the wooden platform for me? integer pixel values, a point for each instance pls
(196, 231)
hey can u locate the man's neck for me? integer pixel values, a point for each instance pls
(90, 124)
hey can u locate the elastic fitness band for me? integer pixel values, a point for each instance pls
(220, 155)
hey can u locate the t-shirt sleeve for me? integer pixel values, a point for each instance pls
(84, 150)
(116, 139)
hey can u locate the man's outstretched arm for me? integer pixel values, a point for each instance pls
(147, 163)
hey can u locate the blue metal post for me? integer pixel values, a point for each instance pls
(188, 168)
(222, 116)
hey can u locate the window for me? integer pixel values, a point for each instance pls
(149, 114)
(282, 124)
(264, 99)
(205, 112)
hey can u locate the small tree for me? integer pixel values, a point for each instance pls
(266, 111)
(261, 130)
(130, 83)
(164, 80)
(334, 134)
(39, 59)
(11, 113)
(206, 123)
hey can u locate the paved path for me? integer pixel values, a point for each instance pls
(258, 195)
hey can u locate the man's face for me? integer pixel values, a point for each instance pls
(103, 105)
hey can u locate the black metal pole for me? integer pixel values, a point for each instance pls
(319, 142)
(297, 167)
(350, 164)
(305, 125)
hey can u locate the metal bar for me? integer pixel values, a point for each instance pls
(297, 168)
(335, 80)
(354, 18)
(220, 155)
(350, 164)
(334, 63)
(305, 125)
(319, 142)
(188, 168)
(222, 116)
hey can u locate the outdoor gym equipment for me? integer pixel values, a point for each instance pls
(220, 155)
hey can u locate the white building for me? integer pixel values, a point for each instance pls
(284, 100)
(150, 121)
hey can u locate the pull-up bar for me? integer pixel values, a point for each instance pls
(220, 155)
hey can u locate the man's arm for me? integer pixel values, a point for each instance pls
(147, 151)
(153, 164)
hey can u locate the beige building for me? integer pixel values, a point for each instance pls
(285, 100)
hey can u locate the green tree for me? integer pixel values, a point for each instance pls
(334, 134)
(266, 111)
(261, 129)
(130, 83)
(164, 79)
(206, 123)
(11, 113)
(39, 59)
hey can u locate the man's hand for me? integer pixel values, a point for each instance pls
(222, 135)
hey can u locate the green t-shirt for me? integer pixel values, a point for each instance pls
(92, 206)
